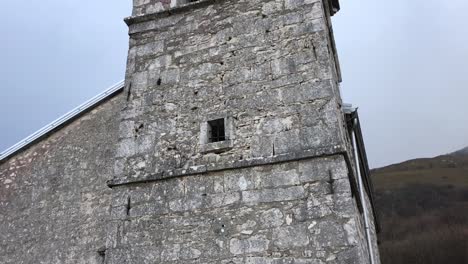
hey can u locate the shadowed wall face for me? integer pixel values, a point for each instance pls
(53, 197)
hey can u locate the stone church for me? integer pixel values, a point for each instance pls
(227, 143)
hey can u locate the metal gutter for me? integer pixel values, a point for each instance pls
(62, 120)
(362, 195)
(348, 108)
(355, 126)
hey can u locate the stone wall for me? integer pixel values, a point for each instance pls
(295, 212)
(267, 65)
(54, 201)
(277, 190)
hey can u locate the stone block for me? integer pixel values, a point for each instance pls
(278, 178)
(149, 208)
(328, 233)
(254, 244)
(239, 180)
(223, 199)
(271, 218)
(273, 195)
(290, 237)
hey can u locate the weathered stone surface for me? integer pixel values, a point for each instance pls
(254, 244)
(289, 237)
(272, 218)
(267, 68)
(221, 222)
(54, 201)
(263, 64)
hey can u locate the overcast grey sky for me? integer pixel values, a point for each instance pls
(404, 64)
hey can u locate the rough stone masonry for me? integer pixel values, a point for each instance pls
(229, 145)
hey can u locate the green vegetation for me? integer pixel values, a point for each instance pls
(423, 210)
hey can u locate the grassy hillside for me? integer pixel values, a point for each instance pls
(423, 209)
(441, 171)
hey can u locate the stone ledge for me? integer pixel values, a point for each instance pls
(216, 147)
(213, 167)
(167, 12)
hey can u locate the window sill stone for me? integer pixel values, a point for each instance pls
(216, 147)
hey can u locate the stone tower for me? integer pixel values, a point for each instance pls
(233, 144)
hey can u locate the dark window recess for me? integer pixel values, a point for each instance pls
(216, 130)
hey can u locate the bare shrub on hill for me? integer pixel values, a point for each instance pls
(423, 224)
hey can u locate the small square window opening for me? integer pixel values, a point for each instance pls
(216, 130)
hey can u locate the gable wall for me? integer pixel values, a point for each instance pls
(53, 195)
